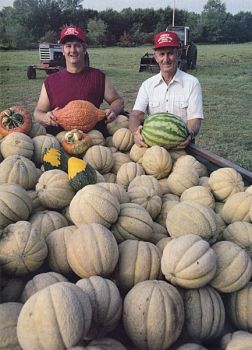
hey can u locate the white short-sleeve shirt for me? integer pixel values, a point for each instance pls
(182, 96)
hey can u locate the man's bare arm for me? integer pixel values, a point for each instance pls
(135, 120)
(42, 113)
(115, 101)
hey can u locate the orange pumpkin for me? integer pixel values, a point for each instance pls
(79, 114)
(15, 119)
(76, 142)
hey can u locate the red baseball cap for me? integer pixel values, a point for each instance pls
(72, 31)
(164, 39)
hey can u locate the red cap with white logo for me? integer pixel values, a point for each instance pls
(166, 39)
(72, 31)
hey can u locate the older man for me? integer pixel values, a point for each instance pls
(76, 82)
(171, 90)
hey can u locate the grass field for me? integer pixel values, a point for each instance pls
(225, 73)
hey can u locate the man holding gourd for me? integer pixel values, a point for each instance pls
(171, 91)
(76, 82)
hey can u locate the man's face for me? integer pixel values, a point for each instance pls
(74, 51)
(167, 58)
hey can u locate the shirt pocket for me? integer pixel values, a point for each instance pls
(180, 106)
(155, 106)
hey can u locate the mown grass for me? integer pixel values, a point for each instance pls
(225, 73)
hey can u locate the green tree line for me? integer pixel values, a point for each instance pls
(29, 22)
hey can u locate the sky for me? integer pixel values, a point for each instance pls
(232, 6)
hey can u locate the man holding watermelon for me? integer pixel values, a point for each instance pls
(171, 91)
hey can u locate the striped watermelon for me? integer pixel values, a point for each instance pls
(164, 129)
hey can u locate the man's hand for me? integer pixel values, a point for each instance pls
(138, 139)
(110, 116)
(183, 144)
(50, 119)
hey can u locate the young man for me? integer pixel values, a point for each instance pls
(76, 82)
(172, 90)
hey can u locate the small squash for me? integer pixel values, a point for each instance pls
(128, 172)
(41, 144)
(153, 315)
(225, 182)
(119, 159)
(17, 143)
(56, 317)
(57, 246)
(54, 190)
(80, 173)
(36, 129)
(100, 158)
(239, 308)
(190, 162)
(79, 114)
(15, 119)
(121, 121)
(76, 142)
(138, 261)
(136, 153)
(188, 261)
(204, 313)
(41, 281)
(54, 158)
(134, 222)
(146, 181)
(97, 137)
(48, 221)
(9, 313)
(22, 249)
(123, 140)
(239, 340)
(234, 267)
(181, 179)
(147, 198)
(94, 204)
(157, 162)
(92, 251)
(237, 207)
(106, 305)
(189, 217)
(116, 190)
(20, 170)
(15, 204)
(240, 233)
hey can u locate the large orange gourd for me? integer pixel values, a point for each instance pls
(79, 114)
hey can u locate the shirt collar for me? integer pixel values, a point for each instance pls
(177, 77)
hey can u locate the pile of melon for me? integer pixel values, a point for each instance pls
(154, 254)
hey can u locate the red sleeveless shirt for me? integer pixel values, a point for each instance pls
(63, 87)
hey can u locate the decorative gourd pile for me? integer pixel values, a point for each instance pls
(121, 247)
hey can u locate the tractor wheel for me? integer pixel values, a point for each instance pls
(86, 59)
(31, 72)
(183, 65)
(192, 56)
(194, 59)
